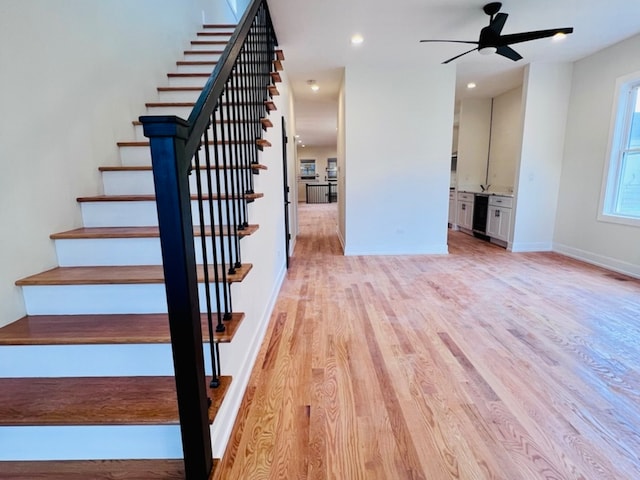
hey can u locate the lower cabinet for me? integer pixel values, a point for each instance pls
(499, 218)
(452, 208)
(465, 210)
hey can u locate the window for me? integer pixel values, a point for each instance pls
(621, 192)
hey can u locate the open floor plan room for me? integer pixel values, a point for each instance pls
(480, 364)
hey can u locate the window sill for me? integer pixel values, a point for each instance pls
(619, 219)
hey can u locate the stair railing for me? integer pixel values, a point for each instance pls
(218, 146)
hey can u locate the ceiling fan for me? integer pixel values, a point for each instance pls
(491, 41)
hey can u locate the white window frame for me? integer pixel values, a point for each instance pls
(619, 131)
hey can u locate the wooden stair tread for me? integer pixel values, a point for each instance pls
(279, 54)
(149, 168)
(143, 143)
(220, 25)
(118, 275)
(214, 34)
(152, 198)
(161, 469)
(177, 89)
(95, 401)
(196, 62)
(102, 329)
(208, 42)
(203, 52)
(139, 232)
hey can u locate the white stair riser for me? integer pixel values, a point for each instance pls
(128, 214)
(140, 155)
(200, 47)
(202, 56)
(90, 442)
(114, 360)
(195, 68)
(182, 112)
(141, 182)
(187, 81)
(179, 95)
(99, 299)
(86, 252)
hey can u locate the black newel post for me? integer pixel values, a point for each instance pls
(167, 136)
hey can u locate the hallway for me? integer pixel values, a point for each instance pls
(481, 364)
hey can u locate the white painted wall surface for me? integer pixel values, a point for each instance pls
(74, 76)
(578, 231)
(398, 149)
(506, 139)
(342, 166)
(545, 102)
(473, 142)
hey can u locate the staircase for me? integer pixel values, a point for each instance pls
(87, 387)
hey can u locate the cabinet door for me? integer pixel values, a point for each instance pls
(499, 223)
(494, 217)
(505, 224)
(452, 211)
(465, 215)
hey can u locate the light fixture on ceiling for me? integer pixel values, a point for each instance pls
(471, 85)
(357, 39)
(314, 86)
(487, 50)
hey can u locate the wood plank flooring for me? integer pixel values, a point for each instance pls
(480, 364)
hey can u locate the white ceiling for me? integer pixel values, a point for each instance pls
(315, 37)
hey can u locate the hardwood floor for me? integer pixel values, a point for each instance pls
(480, 364)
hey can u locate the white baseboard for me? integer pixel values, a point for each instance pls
(225, 418)
(531, 247)
(631, 269)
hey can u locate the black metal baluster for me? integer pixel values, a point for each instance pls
(215, 380)
(218, 147)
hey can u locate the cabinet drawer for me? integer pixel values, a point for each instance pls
(466, 197)
(499, 201)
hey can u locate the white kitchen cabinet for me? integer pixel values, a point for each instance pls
(452, 208)
(499, 217)
(465, 210)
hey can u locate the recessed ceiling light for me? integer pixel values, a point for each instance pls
(303, 145)
(315, 87)
(471, 85)
(297, 136)
(357, 39)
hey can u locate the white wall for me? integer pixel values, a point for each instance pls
(342, 167)
(493, 136)
(578, 231)
(473, 142)
(398, 149)
(74, 76)
(506, 139)
(545, 101)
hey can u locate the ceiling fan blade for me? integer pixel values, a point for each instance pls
(497, 24)
(450, 41)
(458, 56)
(509, 53)
(535, 35)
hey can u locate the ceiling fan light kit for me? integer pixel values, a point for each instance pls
(492, 41)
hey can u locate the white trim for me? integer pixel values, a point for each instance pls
(436, 249)
(603, 261)
(531, 247)
(225, 418)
